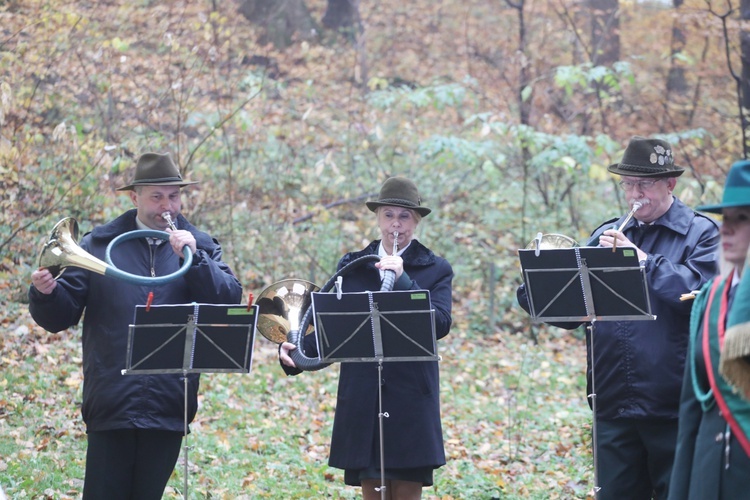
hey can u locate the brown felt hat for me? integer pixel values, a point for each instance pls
(399, 192)
(154, 169)
(647, 158)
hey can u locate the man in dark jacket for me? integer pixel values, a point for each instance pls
(638, 365)
(134, 423)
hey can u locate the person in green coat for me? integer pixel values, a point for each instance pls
(712, 459)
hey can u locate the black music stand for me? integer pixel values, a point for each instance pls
(375, 327)
(586, 284)
(191, 338)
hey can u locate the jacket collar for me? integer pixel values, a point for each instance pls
(678, 218)
(125, 223)
(416, 254)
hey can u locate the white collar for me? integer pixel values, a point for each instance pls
(383, 253)
(152, 241)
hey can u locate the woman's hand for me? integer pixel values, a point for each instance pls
(392, 263)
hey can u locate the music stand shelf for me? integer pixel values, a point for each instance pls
(190, 338)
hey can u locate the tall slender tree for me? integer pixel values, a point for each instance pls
(605, 31)
(745, 74)
(676, 82)
(282, 20)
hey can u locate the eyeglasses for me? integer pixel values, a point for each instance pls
(642, 185)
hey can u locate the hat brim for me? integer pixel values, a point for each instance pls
(131, 187)
(373, 205)
(615, 169)
(716, 209)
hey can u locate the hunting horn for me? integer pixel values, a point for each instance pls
(62, 250)
(550, 241)
(636, 206)
(286, 310)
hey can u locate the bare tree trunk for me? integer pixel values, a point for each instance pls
(744, 83)
(524, 100)
(524, 91)
(340, 14)
(676, 82)
(283, 20)
(360, 45)
(605, 31)
(745, 50)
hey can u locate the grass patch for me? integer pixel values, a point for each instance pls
(515, 423)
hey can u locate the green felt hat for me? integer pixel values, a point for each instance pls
(647, 158)
(154, 169)
(399, 192)
(736, 189)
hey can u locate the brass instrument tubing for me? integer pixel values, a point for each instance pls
(389, 275)
(635, 208)
(168, 218)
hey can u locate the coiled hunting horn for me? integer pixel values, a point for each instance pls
(62, 250)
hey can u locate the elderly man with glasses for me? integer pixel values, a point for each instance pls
(639, 364)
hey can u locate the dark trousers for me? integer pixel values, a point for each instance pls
(130, 464)
(635, 458)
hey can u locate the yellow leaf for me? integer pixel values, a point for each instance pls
(119, 44)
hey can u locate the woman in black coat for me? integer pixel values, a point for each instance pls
(412, 433)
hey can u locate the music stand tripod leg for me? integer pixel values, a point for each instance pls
(185, 431)
(381, 415)
(593, 411)
(588, 298)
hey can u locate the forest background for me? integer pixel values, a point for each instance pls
(291, 114)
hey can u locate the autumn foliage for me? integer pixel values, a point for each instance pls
(502, 112)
